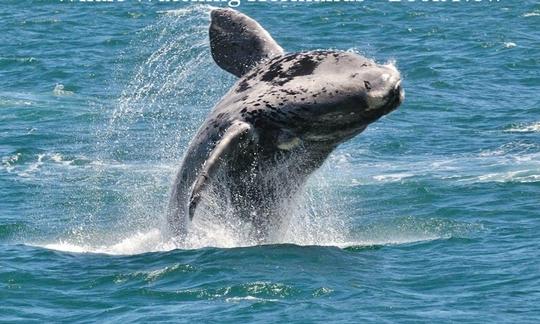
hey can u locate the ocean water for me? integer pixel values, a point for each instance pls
(431, 215)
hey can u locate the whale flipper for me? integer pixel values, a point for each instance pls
(238, 42)
(236, 134)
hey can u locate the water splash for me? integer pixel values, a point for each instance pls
(172, 87)
(170, 90)
(166, 98)
(156, 114)
(318, 217)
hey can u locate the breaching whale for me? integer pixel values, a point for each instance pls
(277, 124)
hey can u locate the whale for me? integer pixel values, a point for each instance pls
(278, 123)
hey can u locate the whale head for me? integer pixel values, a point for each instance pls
(329, 95)
(319, 96)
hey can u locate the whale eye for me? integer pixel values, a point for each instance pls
(367, 85)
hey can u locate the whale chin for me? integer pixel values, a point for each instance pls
(389, 103)
(338, 127)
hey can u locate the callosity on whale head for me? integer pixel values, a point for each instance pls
(277, 124)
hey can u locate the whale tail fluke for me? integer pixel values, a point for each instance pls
(238, 43)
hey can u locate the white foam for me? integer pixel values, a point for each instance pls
(140, 242)
(313, 233)
(33, 167)
(153, 241)
(15, 163)
(250, 299)
(535, 13)
(510, 176)
(390, 241)
(528, 128)
(60, 91)
(8, 162)
(393, 177)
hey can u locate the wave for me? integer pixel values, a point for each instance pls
(25, 164)
(15, 100)
(392, 177)
(512, 159)
(528, 176)
(60, 91)
(153, 241)
(525, 128)
(534, 13)
(399, 231)
(140, 242)
(249, 299)
(22, 60)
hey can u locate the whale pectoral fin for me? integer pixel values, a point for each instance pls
(238, 42)
(237, 133)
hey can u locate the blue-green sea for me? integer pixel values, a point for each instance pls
(431, 215)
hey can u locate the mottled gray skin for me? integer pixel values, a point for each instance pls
(292, 110)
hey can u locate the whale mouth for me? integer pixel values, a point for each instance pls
(397, 96)
(397, 86)
(331, 131)
(386, 104)
(399, 91)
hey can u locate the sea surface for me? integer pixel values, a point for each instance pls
(431, 215)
